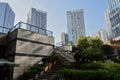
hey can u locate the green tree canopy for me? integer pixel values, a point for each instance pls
(107, 50)
(87, 42)
(91, 48)
(96, 42)
(92, 54)
(83, 42)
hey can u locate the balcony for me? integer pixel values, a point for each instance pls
(32, 28)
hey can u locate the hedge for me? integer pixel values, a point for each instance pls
(72, 74)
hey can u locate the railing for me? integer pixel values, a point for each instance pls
(65, 53)
(32, 28)
(4, 30)
(61, 44)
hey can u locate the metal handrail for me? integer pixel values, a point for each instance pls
(5, 30)
(19, 25)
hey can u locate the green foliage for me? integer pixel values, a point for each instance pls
(101, 74)
(90, 48)
(96, 43)
(75, 48)
(32, 71)
(55, 57)
(92, 54)
(87, 42)
(77, 56)
(115, 59)
(108, 51)
(95, 66)
(83, 42)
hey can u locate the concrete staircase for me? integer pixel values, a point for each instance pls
(67, 59)
(49, 75)
(65, 54)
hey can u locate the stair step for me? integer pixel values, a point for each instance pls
(52, 73)
(49, 75)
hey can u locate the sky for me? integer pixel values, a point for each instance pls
(57, 16)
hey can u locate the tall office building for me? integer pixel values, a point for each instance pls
(38, 18)
(114, 12)
(75, 23)
(64, 38)
(7, 17)
(103, 35)
(108, 23)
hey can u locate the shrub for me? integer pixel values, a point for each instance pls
(29, 73)
(93, 54)
(55, 57)
(72, 74)
(95, 65)
(108, 51)
(77, 56)
(91, 71)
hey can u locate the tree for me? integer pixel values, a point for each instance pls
(91, 48)
(93, 54)
(108, 51)
(96, 42)
(77, 56)
(83, 42)
(87, 42)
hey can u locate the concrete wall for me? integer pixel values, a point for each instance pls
(30, 48)
(24, 34)
(3, 39)
(11, 45)
(13, 35)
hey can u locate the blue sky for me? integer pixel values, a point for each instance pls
(57, 18)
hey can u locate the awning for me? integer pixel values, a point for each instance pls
(6, 63)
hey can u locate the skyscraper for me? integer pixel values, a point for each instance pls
(114, 12)
(38, 18)
(6, 17)
(75, 23)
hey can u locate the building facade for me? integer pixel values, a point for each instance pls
(103, 35)
(25, 48)
(64, 38)
(76, 26)
(38, 18)
(7, 17)
(113, 5)
(108, 23)
(114, 16)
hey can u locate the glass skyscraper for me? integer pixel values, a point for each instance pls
(38, 19)
(75, 23)
(6, 18)
(114, 18)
